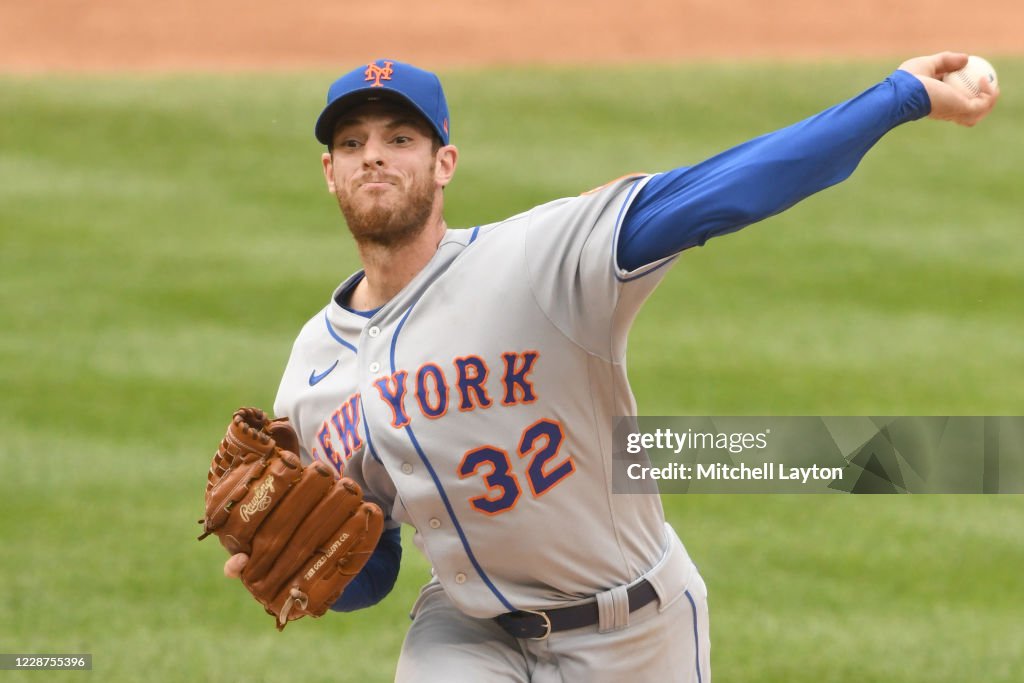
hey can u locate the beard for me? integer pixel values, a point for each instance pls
(390, 224)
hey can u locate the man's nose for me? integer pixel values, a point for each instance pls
(373, 153)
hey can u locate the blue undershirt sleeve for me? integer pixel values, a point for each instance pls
(377, 578)
(687, 206)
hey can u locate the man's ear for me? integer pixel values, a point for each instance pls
(444, 164)
(328, 165)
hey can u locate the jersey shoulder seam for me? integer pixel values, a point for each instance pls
(544, 310)
(609, 358)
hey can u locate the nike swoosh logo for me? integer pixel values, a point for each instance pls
(314, 378)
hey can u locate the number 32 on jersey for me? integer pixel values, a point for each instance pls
(540, 443)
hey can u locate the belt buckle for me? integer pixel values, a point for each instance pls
(547, 623)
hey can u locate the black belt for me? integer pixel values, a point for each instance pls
(539, 625)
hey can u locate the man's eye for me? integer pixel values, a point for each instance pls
(350, 143)
(402, 139)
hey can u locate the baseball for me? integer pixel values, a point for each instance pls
(967, 80)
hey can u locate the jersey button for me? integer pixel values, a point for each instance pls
(407, 468)
(435, 523)
(374, 331)
(460, 578)
(374, 366)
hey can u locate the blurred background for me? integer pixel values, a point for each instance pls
(164, 233)
(137, 35)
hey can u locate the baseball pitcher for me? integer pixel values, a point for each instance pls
(464, 382)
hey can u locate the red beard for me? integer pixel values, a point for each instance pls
(386, 223)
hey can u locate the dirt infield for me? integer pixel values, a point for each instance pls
(134, 35)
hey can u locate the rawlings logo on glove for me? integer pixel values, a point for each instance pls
(260, 501)
(307, 534)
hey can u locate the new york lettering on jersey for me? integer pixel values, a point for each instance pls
(339, 436)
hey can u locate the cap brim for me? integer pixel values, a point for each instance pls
(324, 129)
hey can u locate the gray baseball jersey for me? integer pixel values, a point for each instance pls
(477, 406)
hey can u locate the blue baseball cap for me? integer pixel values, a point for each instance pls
(385, 78)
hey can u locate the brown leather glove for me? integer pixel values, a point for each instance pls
(307, 534)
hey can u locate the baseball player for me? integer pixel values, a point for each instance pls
(468, 379)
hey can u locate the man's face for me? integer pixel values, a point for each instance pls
(384, 171)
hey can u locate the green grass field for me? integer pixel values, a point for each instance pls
(164, 238)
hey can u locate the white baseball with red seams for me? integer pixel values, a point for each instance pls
(967, 80)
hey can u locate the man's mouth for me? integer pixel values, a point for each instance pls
(376, 183)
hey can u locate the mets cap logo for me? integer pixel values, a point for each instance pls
(378, 73)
